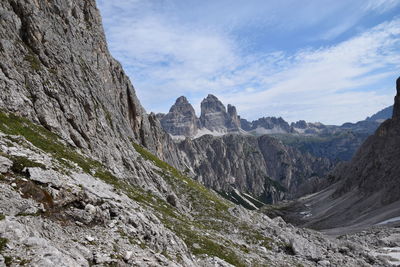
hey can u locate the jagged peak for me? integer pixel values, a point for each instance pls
(181, 100)
(396, 108)
(211, 97)
(231, 109)
(398, 86)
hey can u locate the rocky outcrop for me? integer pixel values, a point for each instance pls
(181, 119)
(233, 123)
(59, 207)
(262, 167)
(82, 191)
(396, 107)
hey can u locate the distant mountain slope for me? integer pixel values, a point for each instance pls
(366, 190)
(261, 166)
(382, 115)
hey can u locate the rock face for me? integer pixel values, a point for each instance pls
(213, 114)
(56, 70)
(396, 108)
(270, 125)
(233, 123)
(181, 119)
(337, 143)
(262, 167)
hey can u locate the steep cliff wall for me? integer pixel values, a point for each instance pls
(262, 167)
(56, 70)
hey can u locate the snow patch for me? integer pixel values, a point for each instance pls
(395, 219)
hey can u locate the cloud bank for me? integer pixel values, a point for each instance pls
(170, 51)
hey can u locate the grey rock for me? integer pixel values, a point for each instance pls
(324, 263)
(233, 123)
(396, 107)
(181, 119)
(5, 164)
(263, 166)
(49, 177)
(213, 114)
(57, 72)
(303, 247)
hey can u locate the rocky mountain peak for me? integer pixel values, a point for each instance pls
(396, 108)
(213, 114)
(181, 119)
(233, 119)
(181, 100)
(212, 104)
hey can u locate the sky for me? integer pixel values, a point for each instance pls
(315, 60)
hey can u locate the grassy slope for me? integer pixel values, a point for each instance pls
(204, 230)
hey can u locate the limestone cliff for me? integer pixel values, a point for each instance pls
(262, 167)
(56, 70)
(181, 119)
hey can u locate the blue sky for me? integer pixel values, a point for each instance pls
(317, 60)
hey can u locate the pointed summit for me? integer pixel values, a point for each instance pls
(181, 119)
(213, 114)
(396, 108)
(181, 100)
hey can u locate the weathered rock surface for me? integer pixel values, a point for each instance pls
(213, 114)
(262, 167)
(181, 119)
(233, 123)
(56, 70)
(58, 215)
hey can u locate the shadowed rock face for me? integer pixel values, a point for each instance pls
(376, 165)
(396, 108)
(233, 123)
(367, 189)
(181, 119)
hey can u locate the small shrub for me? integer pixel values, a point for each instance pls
(34, 61)
(20, 163)
(3, 243)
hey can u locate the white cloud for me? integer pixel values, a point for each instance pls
(166, 58)
(381, 6)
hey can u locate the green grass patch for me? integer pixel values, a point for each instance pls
(2, 217)
(212, 213)
(20, 163)
(34, 61)
(3, 243)
(45, 140)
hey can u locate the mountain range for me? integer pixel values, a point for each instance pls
(267, 160)
(338, 143)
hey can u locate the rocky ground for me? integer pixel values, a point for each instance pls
(70, 211)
